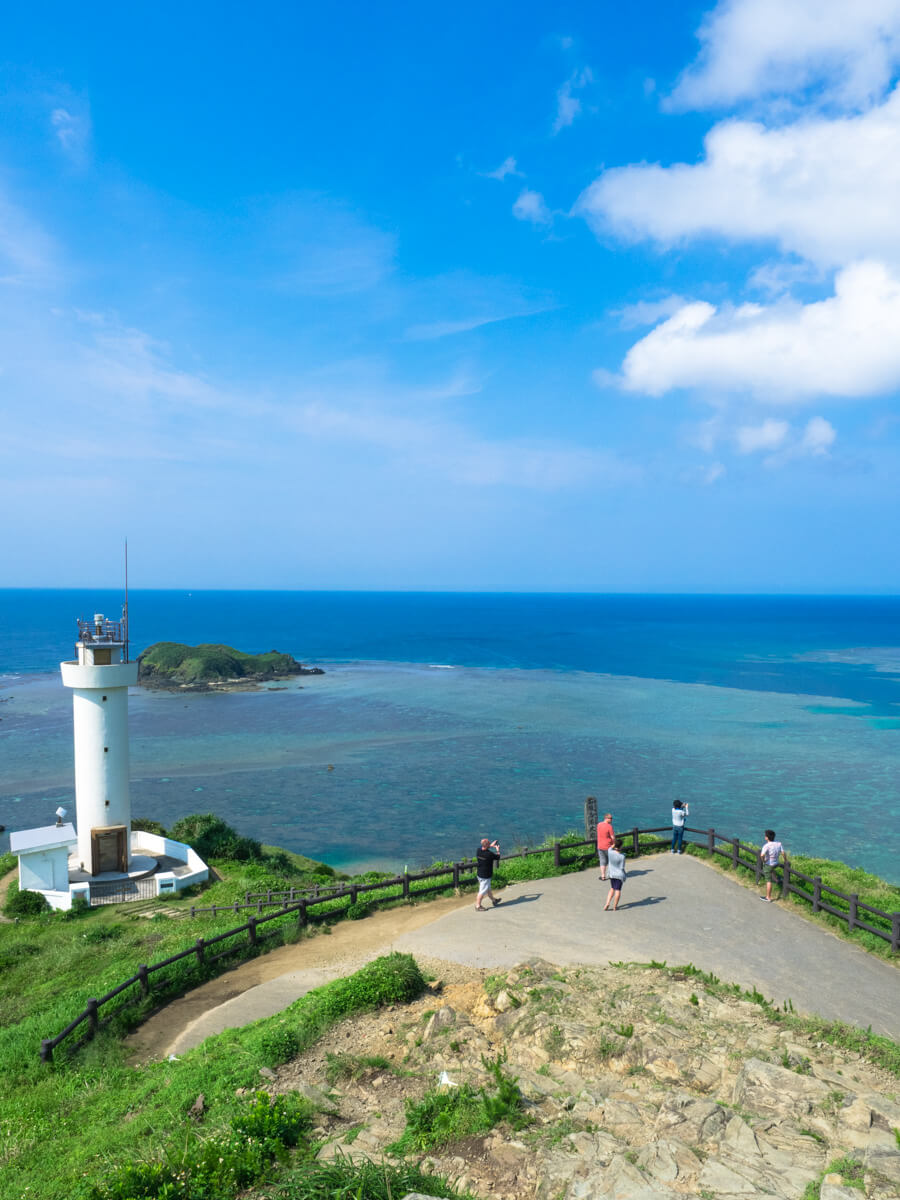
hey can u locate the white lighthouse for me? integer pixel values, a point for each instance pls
(100, 678)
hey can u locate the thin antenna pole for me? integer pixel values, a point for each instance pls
(125, 614)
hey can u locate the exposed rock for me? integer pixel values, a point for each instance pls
(638, 1086)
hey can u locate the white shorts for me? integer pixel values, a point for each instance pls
(484, 885)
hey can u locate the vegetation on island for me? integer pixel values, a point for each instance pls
(173, 665)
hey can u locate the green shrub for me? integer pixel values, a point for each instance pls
(11, 956)
(279, 1045)
(148, 825)
(24, 903)
(217, 1167)
(356, 912)
(274, 1120)
(211, 837)
(103, 933)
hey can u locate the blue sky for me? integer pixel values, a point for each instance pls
(590, 297)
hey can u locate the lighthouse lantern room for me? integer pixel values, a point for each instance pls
(100, 678)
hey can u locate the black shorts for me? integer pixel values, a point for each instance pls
(616, 884)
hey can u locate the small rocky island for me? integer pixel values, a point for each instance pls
(171, 666)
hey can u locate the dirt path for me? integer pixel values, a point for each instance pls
(348, 946)
(4, 888)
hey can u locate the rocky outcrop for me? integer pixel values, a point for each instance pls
(638, 1086)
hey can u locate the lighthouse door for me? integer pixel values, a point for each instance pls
(108, 849)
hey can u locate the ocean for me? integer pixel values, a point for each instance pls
(442, 717)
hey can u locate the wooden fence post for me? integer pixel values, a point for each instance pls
(854, 910)
(456, 876)
(557, 854)
(735, 852)
(817, 893)
(711, 841)
(199, 949)
(251, 931)
(786, 886)
(144, 979)
(635, 842)
(895, 932)
(193, 912)
(757, 868)
(93, 1018)
(354, 893)
(302, 915)
(47, 1050)
(406, 885)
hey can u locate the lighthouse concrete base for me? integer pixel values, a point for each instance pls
(141, 866)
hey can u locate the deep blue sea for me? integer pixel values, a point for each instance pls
(445, 716)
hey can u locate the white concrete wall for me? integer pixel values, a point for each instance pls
(100, 718)
(44, 870)
(199, 871)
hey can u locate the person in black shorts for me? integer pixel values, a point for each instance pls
(488, 854)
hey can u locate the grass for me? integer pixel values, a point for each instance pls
(95, 1111)
(443, 1117)
(342, 1180)
(851, 1171)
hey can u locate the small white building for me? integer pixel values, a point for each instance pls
(44, 860)
(101, 858)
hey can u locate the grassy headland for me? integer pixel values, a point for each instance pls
(97, 1112)
(173, 665)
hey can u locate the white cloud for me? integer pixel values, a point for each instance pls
(507, 167)
(767, 436)
(846, 345)
(828, 190)
(531, 206)
(568, 105)
(753, 48)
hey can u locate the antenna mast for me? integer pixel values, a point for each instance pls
(125, 609)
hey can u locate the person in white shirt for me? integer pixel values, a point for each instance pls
(769, 855)
(616, 859)
(679, 812)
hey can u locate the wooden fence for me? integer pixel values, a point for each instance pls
(454, 876)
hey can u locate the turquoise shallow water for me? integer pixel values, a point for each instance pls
(393, 764)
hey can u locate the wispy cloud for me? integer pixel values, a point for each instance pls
(28, 255)
(507, 167)
(317, 246)
(72, 130)
(568, 105)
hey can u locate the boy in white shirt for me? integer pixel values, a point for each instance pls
(769, 855)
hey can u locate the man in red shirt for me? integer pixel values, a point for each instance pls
(605, 839)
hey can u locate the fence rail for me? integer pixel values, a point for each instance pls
(454, 875)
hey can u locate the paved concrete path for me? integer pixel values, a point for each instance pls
(674, 908)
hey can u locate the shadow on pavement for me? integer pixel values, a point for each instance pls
(641, 903)
(527, 899)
